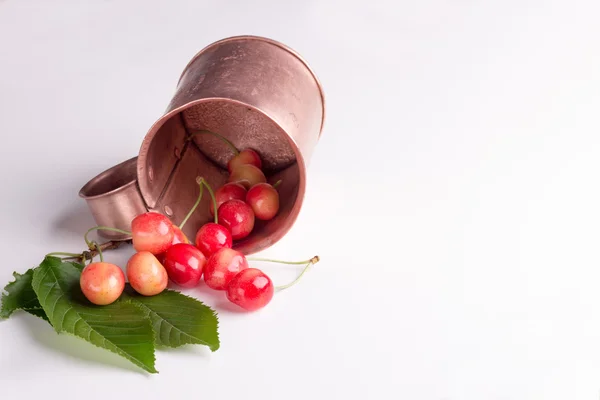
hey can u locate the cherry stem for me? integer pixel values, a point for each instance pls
(94, 250)
(89, 255)
(194, 207)
(223, 139)
(97, 247)
(212, 196)
(104, 228)
(277, 184)
(84, 259)
(311, 262)
(60, 253)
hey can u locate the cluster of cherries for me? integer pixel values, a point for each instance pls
(163, 252)
(246, 196)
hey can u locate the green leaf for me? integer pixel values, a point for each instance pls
(19, 295)
(178, 319)
(38, 312)
(120, 327)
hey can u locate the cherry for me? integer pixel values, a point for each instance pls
(238, 217)
(184, 264)
(244, 157)
(228, 191)
(250, 289)
(264, 200)
(222, 266)
(247, 175)
(152, 232)
(102, 283)
(146, 274)
(212, 237)
(179, 236)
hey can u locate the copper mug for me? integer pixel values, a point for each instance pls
(254, 91)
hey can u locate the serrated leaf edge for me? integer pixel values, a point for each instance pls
(138, 362)
(29, 311)
(4, 314)
(140, 365)
(213, 312)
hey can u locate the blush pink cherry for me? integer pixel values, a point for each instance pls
(152, 232)
(102, 283)
(237, 217)
(222, 266)
(146, 274)
(247, 175)
(228, 191)
(246, 156)
(264, 201)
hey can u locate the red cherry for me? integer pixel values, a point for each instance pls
(250, 289)
(247, 175)
(178, 237)
(222, 266)
(264, 200)
(146, 274)
(184, 264)
(238, 217)
(228, 191)
(247, 156)
(152, 232)
(102, 283)
(213, 237)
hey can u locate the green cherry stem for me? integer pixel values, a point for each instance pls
(194, 207)
(84, 259)
(277, 184)
(311, 262)
(60, 253)
(94, 249)
(104, 228)
(99, 250)
(212, 196)
(223, 139)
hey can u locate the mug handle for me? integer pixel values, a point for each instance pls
(114, 198)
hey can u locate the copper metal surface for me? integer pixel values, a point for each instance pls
(257, 93)
(114, 199)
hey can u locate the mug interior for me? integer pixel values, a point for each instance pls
(174, 154)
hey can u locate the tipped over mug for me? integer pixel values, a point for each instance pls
(255, 92)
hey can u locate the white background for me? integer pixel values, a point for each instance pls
(454, 197)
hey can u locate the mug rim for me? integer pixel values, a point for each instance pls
(94, 181)
(144, 185)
